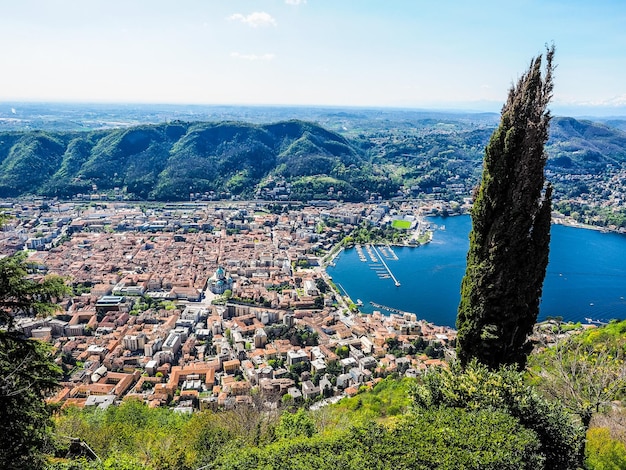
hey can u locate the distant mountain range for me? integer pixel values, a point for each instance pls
(370, 155)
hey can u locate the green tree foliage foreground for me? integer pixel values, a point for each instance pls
(478, 388)
(509, 240)
(20, 295)
(435, 440)
(603, 452)
(134, 436)
(471, 419)
(27, 371)
(585, 372)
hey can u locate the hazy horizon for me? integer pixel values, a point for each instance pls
(406, 54)
(7, 107)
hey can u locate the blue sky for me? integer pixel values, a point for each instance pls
(398, 53)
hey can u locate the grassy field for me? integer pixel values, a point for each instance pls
(401, 224)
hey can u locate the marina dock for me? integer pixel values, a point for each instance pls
(359, 251)
(392, 253)
(380, 258)
(390, 309)
(371, 249)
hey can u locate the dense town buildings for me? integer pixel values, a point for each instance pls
(200, 304)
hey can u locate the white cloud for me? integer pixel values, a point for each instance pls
(616, 101)
(237, 55)
(295, 2)
(612, 102)
(256, 19)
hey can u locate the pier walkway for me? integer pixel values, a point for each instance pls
(386, 267)
(390, 309)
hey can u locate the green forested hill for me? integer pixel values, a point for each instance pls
(222, 159)
(585, 144)
(168, 161)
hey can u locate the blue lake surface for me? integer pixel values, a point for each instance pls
(586, 276)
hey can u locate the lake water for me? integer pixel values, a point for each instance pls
(586, 276)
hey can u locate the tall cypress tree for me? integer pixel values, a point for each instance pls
(509, 240)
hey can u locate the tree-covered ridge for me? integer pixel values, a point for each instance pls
(170, 161)
(289, 159)
(578, 144)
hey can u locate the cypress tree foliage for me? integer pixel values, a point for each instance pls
(509, 240)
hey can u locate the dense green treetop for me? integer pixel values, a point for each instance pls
(20, 295)
(476, 387)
